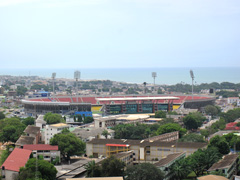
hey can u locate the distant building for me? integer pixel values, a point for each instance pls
(228, 166)
(17, 159)
(126, 157)
(53, 129)
(33, 131)
(231, 100)
(48, 152)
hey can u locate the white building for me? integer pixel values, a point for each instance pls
(232, 100)
(53, 129)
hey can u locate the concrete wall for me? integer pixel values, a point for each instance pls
(9, 175)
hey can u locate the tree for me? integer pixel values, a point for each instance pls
(221, 144)
(28, 121)
(45, 170)
(88, 120)
(193, 120)
(2, 116)
(112, 166)
(79, 118)
(192, 137)
(171, 127)
(143, 171)
(5, 154)
(21, 90)
(11, 129)
(105, 133)
(160, 114)
(68, 144)
(93, 170)
(180, 169)
(51, 118)
(211, 110)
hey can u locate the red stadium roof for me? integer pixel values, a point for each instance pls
(118, 145)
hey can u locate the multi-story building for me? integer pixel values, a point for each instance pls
(228, 166)
(53, 129)
(49, 153)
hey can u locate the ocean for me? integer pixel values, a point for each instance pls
(139, 75)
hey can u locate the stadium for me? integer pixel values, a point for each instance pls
(85, 105)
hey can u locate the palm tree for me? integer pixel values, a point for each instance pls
(180, 169)
(93, 170)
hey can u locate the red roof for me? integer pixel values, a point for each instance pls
(40, 147)
(18, 158)
(118, 145)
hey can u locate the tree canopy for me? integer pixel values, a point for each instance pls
(45, 171)
(52, 118)
(11, 129)
(193, 120)
(112, 166)
(212, 110)
(28, 121)
(2, 116)
(143, 171)
(192, 137)
(221, 144)
(68, 144)
(88, 120)
(171, 127)
(160, 114)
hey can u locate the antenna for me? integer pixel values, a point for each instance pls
(192, 76)
(77, 76)
(53, 78)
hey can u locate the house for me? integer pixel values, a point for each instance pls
(17, 159)
(53, 129)
(228, 166)
(166, 163)
(232, 100)
(24, 140)
(49, 152)
(33, 131)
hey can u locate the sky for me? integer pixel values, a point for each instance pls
(119, 33)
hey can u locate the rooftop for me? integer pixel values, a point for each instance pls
(25, 140)
(59, 125)
(30, 129)
(224, 163)
(212, 177)
(136, 98)
(169, 159)
(98, 178)
(18, 158)
(40, 147)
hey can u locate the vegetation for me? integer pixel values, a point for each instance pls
(227, 94)
(2, 116)
(144, 171)
(231, 115)
(193, 120)
(110, 166)
(21, 90)
(212, 110)
(45, 171)
(192, 137)
(68, 144)
(11, 129)
(52, 118)
(171, 127)
(5, 154)
(28, 121)
(105, 133)
(160, 114)
(88, 120)
(221, 144)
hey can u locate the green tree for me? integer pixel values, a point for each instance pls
(88, 120)
(2, 116)
(5, 154)
(211, 110)
(160, 114)
(192, 137)
(93, 170)
(11, 129)
(21, 90)
(68, 144)
(143, 171)
(193, 120)
(105, 133)
(171, 127)
(28, 121)
(79, 118)
(180, 169)
(51, 118)
(45, 171)
(221, 144)
(112, 166)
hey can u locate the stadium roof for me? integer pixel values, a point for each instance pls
(137, 98)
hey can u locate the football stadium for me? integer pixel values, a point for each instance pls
(85, 105)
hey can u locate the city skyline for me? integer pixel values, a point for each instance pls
(119, 34)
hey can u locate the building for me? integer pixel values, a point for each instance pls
(33, 131)
(126, 157)
(49, 153)
(228, 166)
(231, 100)
(211, 177)
(166, 163)
(53, 129)
(40, 122)
(144, 150)
(17, 159)
(98, 178)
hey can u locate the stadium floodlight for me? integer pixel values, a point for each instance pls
(77, 76)
(154, 75)
(192, 76)
(53, 78)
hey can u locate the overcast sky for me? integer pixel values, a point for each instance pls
(119, 33)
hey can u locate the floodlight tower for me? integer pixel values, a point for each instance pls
(192, 76)
(154, 75)
(77, 76)
(53, 81)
